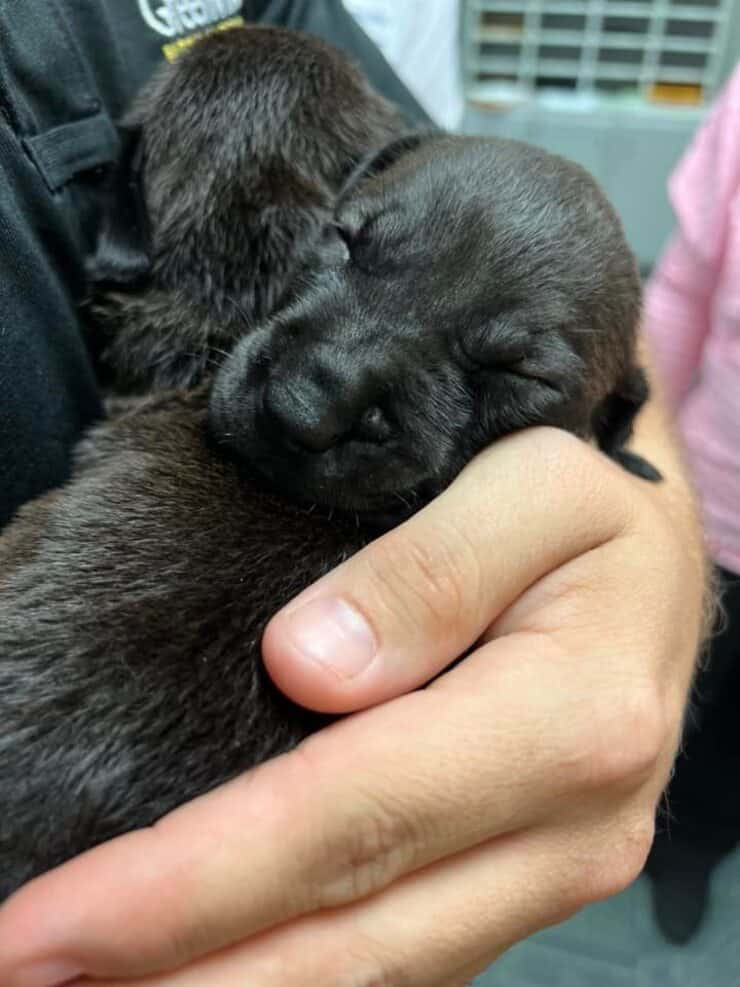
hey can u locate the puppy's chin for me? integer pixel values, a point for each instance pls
(379, 512)
(377, 492)
(375, 498)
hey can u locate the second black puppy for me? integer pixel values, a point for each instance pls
(232, 160)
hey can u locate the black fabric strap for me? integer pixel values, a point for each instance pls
(50, 94)
(65, 151)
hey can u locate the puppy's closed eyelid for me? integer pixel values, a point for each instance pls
(477, 354)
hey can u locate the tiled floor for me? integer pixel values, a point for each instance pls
(616, 944)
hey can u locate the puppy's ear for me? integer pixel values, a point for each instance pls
(122, 253)
(379, 161)
(614, 418)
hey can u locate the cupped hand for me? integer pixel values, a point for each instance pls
(412, 843)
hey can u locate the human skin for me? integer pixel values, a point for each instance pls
(413, 843)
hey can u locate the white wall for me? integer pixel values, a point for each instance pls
(421, 40)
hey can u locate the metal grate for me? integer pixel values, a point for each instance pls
(667, 51)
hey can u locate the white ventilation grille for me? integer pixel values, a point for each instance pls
(664, 51)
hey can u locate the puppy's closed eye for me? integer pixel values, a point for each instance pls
(502, 350)
(490, 347)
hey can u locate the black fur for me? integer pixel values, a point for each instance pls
(132, 603)
(459, 289)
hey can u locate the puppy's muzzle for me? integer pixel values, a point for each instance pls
(321, 422)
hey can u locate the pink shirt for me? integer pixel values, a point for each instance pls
(692, 317)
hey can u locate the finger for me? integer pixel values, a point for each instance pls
(394, 615)
(442, 925)
(340, 818)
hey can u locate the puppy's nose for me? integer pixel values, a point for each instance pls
(317, 418)
(298, 410)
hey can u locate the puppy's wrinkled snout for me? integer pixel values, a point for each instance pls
(316, 417)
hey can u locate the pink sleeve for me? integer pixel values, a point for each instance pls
(678, 298)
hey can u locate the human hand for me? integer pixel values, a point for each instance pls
(414, 842)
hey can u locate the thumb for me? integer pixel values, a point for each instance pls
(397, 613)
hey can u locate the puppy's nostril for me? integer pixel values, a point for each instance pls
(373, 426)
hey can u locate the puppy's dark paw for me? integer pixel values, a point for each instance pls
(637, 465)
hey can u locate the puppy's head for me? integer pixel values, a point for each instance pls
(232, 161)
(464, 289)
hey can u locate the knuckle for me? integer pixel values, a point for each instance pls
(632, 751)
(624, 743)
(375, 847)
(612, 872)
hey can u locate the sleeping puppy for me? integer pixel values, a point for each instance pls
(231, 162)
(461, 290)
(465, 288)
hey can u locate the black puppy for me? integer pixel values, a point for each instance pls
(462, 290)
(466, 288)
(232, 160)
